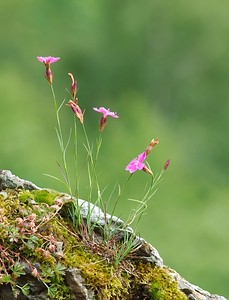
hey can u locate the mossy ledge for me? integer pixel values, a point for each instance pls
(43, 256)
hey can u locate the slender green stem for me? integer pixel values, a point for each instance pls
(99, 144)
(76, 158)
(63, 147)
(138, 212)
(120, 193)
(93, 177)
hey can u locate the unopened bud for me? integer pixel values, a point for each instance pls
(46, 254)
(48, 74)
(20, 221)
(166, 165)
(59, 254)
(151, 145)
(73, 86)
(31, 217)
(102, 123)
(76, 109)
(147, 170)
(35, 272)
(52, 248)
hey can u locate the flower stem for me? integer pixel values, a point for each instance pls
(63, 147)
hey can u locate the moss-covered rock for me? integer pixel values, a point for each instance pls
(44, 255)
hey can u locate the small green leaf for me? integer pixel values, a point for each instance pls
(18, 269)
(25, 289)
(59, 269)
(6, 278)
(52, 291)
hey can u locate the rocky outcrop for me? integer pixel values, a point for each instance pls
(192, 291)
(10, 181)
(144, 252)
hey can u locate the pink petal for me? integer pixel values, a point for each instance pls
(136, 163)
(131, 167)
(142, 156)
(96, 109)
(40, 58)
(53, 59)
(106, 112)
(48, 59)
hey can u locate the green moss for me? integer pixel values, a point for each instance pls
(163, 287)
(43, 228)
(23, 196)
(44, 196)
(99, 275)
(25, 234)
(154, 283)
(40, 196)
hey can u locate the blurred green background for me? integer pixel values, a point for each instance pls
(163, 66)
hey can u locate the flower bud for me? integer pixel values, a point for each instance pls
(35, 272)
(76, 109)
(151, 145)
(102, 123)
(147, 170)
(73, 86)
(19, 221)
(52, 248)
(166, 165)
(31, 217)
(48, 74)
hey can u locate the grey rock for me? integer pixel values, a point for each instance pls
(38, 290)
(142, 250)
(102, 221)
(76, 284)
(192, 291)
(147, 253)
(10, 181)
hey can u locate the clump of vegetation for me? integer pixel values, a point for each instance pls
(25, 239)
(40, 237)
(35, 236)
(162, 285)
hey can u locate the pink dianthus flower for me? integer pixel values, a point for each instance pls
(106, 113)
(136, 163)
(47, 61)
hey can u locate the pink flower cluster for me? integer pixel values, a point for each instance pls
(73, 103)
(138, 162)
